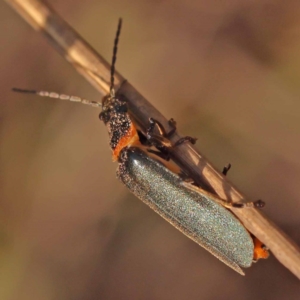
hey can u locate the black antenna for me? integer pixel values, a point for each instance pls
(114, 58)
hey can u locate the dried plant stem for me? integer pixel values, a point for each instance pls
(97, 71)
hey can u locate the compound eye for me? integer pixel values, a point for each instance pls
(104, 116)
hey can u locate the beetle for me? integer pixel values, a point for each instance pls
(144, 167)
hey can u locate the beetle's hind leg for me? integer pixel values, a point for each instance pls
(190, 139)
(225, 203)
(255, 204)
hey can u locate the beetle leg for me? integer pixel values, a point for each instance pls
(163, 137)
(225, 203)
(160, 127)
(172, 123)
(158, 140)
(143, 139)
(185, 139)
(255, 204)
(226, 169)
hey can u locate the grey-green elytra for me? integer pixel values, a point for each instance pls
(191, 210)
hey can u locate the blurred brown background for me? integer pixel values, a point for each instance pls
(227, 71)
